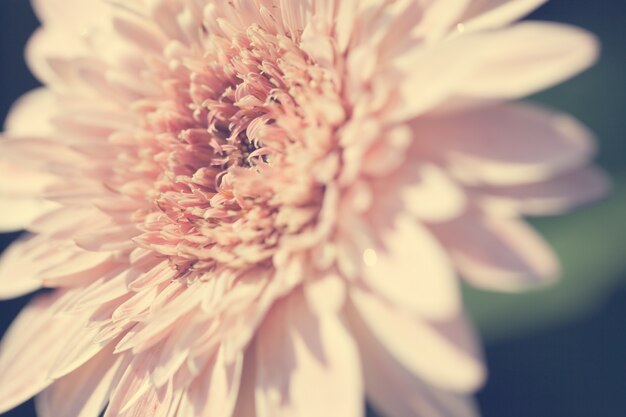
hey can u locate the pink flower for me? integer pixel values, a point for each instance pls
(260, 207)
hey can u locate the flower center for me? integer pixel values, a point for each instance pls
(239, 135)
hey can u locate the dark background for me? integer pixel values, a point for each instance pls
(560, 353)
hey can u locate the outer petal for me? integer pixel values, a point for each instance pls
(31, 114)
(506, 145)
(18, 275)
(490, 14)
(84, 392)
(30, 348)
(307, 365)
(555, 196)
(395, 390)
(498, 253)
(445, 356)
(503, 64)
(527, 58)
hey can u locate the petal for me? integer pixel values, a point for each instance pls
(31, 115)
(527, 58)
(554, 196)
(501, 254)
(84, 392)
(246, 406)
(18, 213)
(445, 356)
(30, 348)
(18, 275)
(427, 192)
(395, 389)
(491, 14)
(135, 387)
(409, 267)
(215, 391)
(297, 351)
(506, 144)
(507, 63)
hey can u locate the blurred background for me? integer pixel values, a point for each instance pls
(559, 352)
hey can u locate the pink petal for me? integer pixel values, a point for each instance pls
(18, 274)
(82, 393)
(410, 268)
(30, 348)
(135, 386)
(508, 144)
(555, 196)
(427, 351)
(297, 351)
(491, 14)
(246, 406)
(396, 390)
(501, 254)
(215, 391)
(527, 58)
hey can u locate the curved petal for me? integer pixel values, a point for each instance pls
(30, 348)
(527, 58)
(18, 274)
(409, 267)
(443, 355)
(32, 113)
(246, 405)
(395, 389)
(215, 391)
(18, 213)
(498, 253)
(297, 351)
(555, 196)
(84, 392)
(491, 14)
(506, 144)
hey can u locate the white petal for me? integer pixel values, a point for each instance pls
(307, 365)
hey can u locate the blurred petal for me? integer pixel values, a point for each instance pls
(395, 389)
(82, 393)
(297, 351)
(527, 58)
(412, 269)
(507, 145)
(491, 14)
(448, 363)
(554, 196)
(501, 254)
(30, 348)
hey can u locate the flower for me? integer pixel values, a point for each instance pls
(260, 207)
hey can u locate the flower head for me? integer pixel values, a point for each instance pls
(249, 207)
